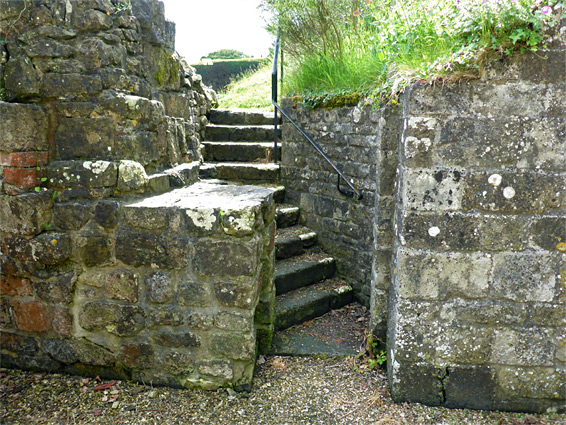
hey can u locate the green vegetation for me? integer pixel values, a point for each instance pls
(377, 48)
(225, 54)
(250, 90)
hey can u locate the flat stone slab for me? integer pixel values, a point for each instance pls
(208, 195)
(338, 333)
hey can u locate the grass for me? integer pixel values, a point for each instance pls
(250, 91)
(376, 48)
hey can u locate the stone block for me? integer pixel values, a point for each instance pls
(31, 316)
(6, 319)
(503, 233)
(421, 383)
(122, 285)
(15, 137)
(470, 387)
(508, 192)
(524, 277)
(534, 383)
(193, 294)
(152, 218)
(106, 214)
(234, 321)
(21, 79)
(160, 287)
(82, 174)
(236, 295)
(549, 315)
(59, 289)
(15, 286)
(234, 346)
(137, 248)
(138, 355)
(65, 86)
(176, 339)
(217, 369)
(61, 321)
(131, 177)
(24, 178)
(48, 248)
(165, 316)
(485, 312)
(434, 190)
(225, 258)
(120, 320)
(94, 20)
(85, 138)
(549, 233)
(95, 249)
(464, 345)
(525, 347)
(449, 231)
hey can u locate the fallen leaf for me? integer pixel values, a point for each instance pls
(102, 387)
(97, 412)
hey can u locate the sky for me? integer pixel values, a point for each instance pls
(205, 26)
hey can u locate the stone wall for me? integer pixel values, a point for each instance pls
(105, 269)
(478, 313)
(219, 73)
(362, 143)
(469, 231)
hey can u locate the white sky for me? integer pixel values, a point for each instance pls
(204, 26)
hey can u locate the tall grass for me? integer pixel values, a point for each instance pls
(381, 46)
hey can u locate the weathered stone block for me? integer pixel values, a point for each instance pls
(59, 289)
(122, 285)
(14, 285)
(138, 355)
(193, 294)
(26, 214)
(417, 383)
(217, 369)
(464, 345)
(527, 347)
(239, 322)
(434, 190)
(21, 79)
(131, 177)
(176, 339)
(118, 319)
(71, 86)
(47, 248)
(237, 295)
(533, 383)
(160, 287)
(470, 387)
(234, 346)
(82, 174)
(225, 258)
(85, 138)
(549, 233)
(144, 248)
(426, 276)
(105, 214)
(96, 249)
(524, 277)
(17, 137)
(71, 215)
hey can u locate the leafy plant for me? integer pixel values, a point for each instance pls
(226, 54)
(372, 356)
(380, 47)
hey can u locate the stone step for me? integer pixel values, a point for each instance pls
(292, 241)
(240, 117)
(307, 303)
(286, 215)
(304, 270)
(239, 151)
(240, 133)
(238, 171)
(338, 333)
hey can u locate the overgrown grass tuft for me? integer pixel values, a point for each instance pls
(252, 90)
(377, 48)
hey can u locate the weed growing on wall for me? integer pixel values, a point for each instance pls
(378, 47)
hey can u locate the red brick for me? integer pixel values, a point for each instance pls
(31, 316)
(11, 285)
(22, 177)
(24, 159)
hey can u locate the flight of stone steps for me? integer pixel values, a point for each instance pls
(239, 148)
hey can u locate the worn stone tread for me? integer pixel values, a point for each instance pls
(291, 241)
(238, 151)
(309, 302)
(215, 132)
(244, 171)
(240, 117)
(286, 215)
(304, 270)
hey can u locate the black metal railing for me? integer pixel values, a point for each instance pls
(353, 193)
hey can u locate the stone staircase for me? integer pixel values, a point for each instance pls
(239, 148)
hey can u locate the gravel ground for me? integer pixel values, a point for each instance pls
(286, 391)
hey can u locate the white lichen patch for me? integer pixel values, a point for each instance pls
(434, 231)
(415, 145)
(428, 123)
(203, 218)
(509, 192)
(495, 180)
(97, 167)
(241, 221)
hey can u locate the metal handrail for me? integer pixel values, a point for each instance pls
(353, 193)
